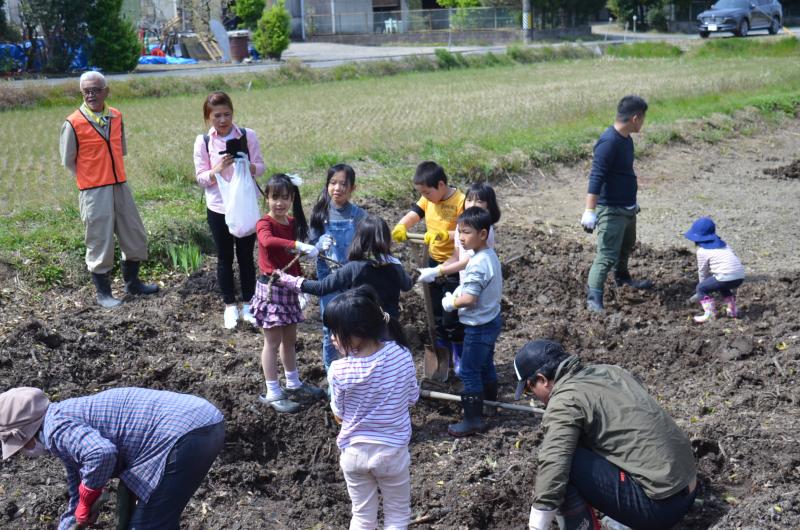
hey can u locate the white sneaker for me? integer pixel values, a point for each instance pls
(247, 316)
(231, 316)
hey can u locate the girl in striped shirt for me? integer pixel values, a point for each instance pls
(372, 386)
(718, 267)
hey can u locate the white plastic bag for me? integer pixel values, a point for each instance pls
(240, 198)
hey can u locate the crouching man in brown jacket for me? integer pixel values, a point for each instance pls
(608, 445)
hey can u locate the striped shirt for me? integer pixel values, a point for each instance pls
(722, 263)
(372, 395)
(124, 432)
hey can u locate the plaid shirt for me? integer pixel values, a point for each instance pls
(124, 432)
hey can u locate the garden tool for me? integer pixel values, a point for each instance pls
(430, 394)
(436, 360)
(126, 503)
(707, 303)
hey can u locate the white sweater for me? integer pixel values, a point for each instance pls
(722, 263)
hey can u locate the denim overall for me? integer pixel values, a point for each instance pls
(342, 231)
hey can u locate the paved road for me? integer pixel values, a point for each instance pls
(327, 55)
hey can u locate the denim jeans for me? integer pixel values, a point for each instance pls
(477, 359)
(596, 482)
(711, 284)
(616, 236)
(448, 328)
(187, 465)
(342, 231)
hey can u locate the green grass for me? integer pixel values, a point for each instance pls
(644, 50)
(477, 122)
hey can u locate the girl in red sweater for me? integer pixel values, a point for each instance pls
(275, 307)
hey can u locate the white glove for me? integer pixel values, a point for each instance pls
(309, 250)
(448, 302)
(303, 300)
(325, 242)
(589, 220)
(540, 519)
(428, 274)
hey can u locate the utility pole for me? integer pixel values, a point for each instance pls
(526, 21)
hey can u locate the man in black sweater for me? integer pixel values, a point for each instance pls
(611, 206)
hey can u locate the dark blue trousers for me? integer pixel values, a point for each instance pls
(187, 465)
(711, 285)
(596, 482)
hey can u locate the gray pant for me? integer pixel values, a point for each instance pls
(107, 211)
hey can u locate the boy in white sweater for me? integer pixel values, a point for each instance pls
(718, 268)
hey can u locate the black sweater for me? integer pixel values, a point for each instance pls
(612, 177)
(388, 279)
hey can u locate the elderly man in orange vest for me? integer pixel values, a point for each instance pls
(92, 148)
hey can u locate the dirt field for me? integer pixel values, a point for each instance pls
(731, 384)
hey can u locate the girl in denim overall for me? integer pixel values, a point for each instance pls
(333, 226)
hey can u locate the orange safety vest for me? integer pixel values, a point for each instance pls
(99, 161)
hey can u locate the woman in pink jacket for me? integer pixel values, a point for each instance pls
(210, 163)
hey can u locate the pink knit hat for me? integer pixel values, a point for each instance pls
(22, 412)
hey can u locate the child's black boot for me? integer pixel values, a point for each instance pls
(490, 394)
(473, 422)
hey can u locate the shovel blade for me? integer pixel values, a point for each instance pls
(436, 364)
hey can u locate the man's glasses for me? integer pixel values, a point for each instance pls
(92, 91)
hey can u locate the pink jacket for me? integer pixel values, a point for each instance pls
(204, 160)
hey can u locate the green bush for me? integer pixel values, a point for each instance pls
(249, 12)
(116, 46)
(272, 36)
(447, 60)
(657, 18)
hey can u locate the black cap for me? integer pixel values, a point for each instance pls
(531, 358)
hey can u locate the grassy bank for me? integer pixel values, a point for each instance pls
(477, 122)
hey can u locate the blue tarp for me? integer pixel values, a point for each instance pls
(12, 53)
(169, 59)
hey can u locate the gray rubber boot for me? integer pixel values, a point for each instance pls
(473, 422)
(594, 300)
(130, 273)
(280, 404)
(102, 286)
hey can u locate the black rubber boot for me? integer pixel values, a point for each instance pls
(625, 279)
(103, 287)
(130, 273)
(490, 394)
(594, 300)
(472, 422)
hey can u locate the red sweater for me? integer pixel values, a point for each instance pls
(274, 242)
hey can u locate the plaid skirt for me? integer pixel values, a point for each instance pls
(282, 309)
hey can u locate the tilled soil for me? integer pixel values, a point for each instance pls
(732, 385)
(792, 171)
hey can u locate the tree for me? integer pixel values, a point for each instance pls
(624, 10)
(249, 12)
(115, 46)
(272, 36)
(62, 23)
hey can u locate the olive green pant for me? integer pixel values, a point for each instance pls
(616, 236)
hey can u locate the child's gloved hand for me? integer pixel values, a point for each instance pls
(540, 519)
(436, 235)
(428, 274)
(400, 233)
(325, 242)
(449, 302)
(309, 250)
(589, 220)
